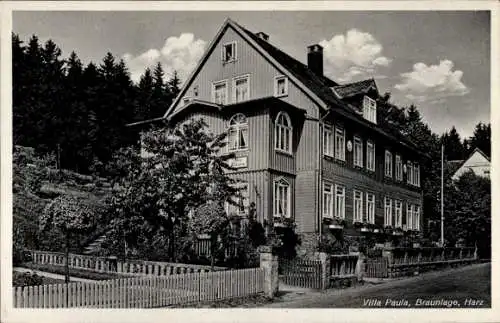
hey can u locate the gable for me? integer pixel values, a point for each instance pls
(477, 159)
(260, 70)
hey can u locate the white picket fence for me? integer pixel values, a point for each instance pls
(144, 292)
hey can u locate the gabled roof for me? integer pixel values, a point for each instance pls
(320, 89)
(356, 88)
(457, 164)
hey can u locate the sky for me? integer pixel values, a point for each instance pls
(437, 60)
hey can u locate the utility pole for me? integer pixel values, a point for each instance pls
(442, 195)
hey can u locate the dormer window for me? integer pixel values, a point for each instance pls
(370, 109)
(229, 52)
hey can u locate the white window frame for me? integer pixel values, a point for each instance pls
(387, 211)
(276, 80)
(399, 168)
(339, 147)
(281, 130)
(244, 200)
(238, 128)
(357, 206)
(409, 216)
(282, 183)
(223, 52)
(236, 79)
(398, 213)
(358, 151)
(416, 174)
(339, 209)
(328, 200)
(328, 141)
(370, 208)
(388, 163)
(214, 85)
(409, 172)
(416, 217)
(370, 157)
(370, 109)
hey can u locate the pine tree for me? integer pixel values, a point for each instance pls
(174, 84)
(453, 146)
(144, 99)
(481, 139)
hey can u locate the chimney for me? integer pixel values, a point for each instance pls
(315, 58)
(262, 36)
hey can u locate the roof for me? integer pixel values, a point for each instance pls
(457, 164)
(320, 86)
(355, 88)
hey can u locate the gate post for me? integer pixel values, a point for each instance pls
(360, 266)
(269, 262)
(325, 269)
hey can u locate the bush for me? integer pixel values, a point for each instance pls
(26, 279)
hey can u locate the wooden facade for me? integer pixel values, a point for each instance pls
(304, 168)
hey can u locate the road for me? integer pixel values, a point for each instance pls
(466, 287)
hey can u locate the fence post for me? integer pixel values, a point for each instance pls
(269, 262)
(325, 269)
(360, 266)
(389, 255)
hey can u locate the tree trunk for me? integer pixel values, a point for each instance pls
(66, 278)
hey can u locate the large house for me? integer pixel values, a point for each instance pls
(306, 147)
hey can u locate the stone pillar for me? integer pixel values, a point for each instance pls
(269, 263)
(360, 266)
(325, 268)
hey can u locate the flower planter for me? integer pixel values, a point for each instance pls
(397, 233)
(365, 230)
(279, 225)
(335, 226)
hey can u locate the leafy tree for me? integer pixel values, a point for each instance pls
(184, 170)
(70, 215)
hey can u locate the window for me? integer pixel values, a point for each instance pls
(283, 133)
(370, 155)
(328, 200)
(388, 212)
(370, 208)
(339, 143)
(358, 206)
(399, 168)
(409, 216)
(409, 173)
(388, 163)
(241, 201)
(229, 52)
(416, 218)
(358, 152)
(416, 176)
(370, 109)
(282, 198)
(280, 86)
(241, 88)
(219, 92)
(328, 141)
(398, 205)
(340, 201)
(238, 132)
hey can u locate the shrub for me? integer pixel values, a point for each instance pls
(26, 279)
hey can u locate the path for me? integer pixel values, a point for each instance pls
(460, 284)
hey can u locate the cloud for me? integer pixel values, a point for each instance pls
(356, 54)
(432, 83)
(178, 53)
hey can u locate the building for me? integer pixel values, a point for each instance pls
(477, 162)
(307, 148)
